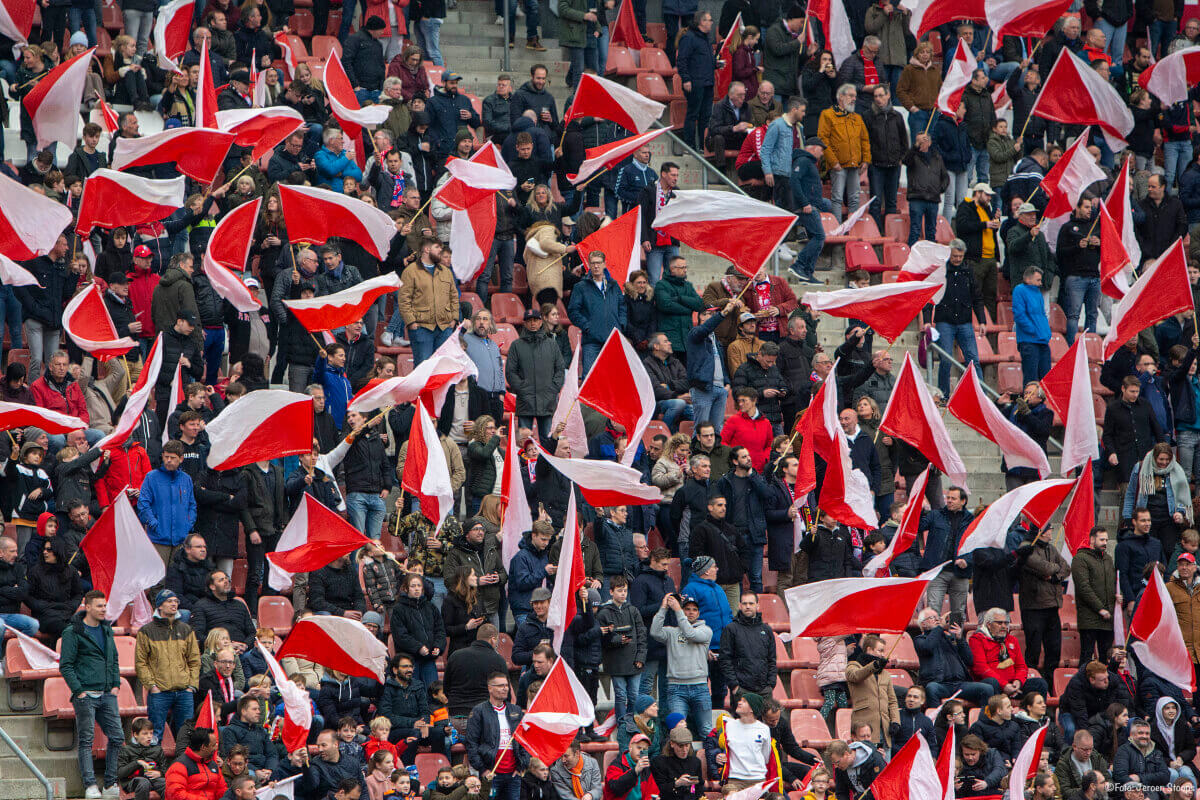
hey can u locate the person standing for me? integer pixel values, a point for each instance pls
(687, 644)
(978, 227)
(89, 666)
(1029, 314)
(1095, 576)
(428, 301)
(889, 143)
(1078, 254)
(597, 307)
(697, 66)
(847, 148)
(952, 316)
(659, 247)
(1043, 573)
(747, 494)
(928, 180)
(167, 659)
(748, 650)
(777, 153)
(491, 750)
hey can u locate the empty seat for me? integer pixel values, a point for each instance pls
(126, 647)
(830, 223)
(1062, 676)
(805, 692)
(655, 428)
(655, 60)
(504, 336)
(1006, 346)
(986, 356)
(275, 612)
(620, 62)
(16, 666)
(894, 254)
(507, 307)
(474, 299)
(1058, 347)
(904, 654)
(1010, 378)
(942, 232)
(1058, 319)
(56, 699)
(866, 230)
(428, 765)
(322, 46)
(652, 85)
(895, 227)
(805, 653)
(1094, 345)
(301, 23)
(809, 728)
(860, 255)
(774, 611)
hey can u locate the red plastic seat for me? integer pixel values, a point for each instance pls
(841, 723)
(809, 728)
(126, 648)
(865, 230)
(298, 48)
(805, 653)
(1004, 315)
(860, 255)
(1058, 319)
(275, 612)
(830, 223)
(986, 356)
(774, 612)
(942, 233)
(1010, 378)
(655, 428)
(128, 701)
(520, 280)
(1098, 388)
(895, 227)
(657, 33)
(904, 655)
(56, 699)
(322, 46)
(474, 299)
(620, 62)
(1006, 346)
(428, 765)
(507, 307)
(891, 276)
(110, 18)
(16, 666)
(1100, 408)
(1058, 347)
(504, 646)
(301, 23)
(1062, 676)
(404, 363)
(805, 692)
(504, 337)
(677, 88)
(894, 254)
(652, 85)
(1070, 648)
(655, 59)
(1093, 344)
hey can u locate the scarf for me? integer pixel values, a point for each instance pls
(660, 200)
(1173, 473)
(870, 74)
(576, 773)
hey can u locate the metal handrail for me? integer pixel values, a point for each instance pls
(29, 765)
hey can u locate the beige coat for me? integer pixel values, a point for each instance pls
(543, 238)
(873, 699)
(430, 301)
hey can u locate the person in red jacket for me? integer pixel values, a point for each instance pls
(630, 771)
(998, 659)
(196, 775)
(142, 283)
(129, 466)
(58, 390)
(748, 428)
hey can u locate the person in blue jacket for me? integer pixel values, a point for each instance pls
(597, 308)
(333, 164)
(166, 502)
(330, 371)
(1030, 322)
(696, 65)
(528, 568)
(950, 140)
(808, 202)
(706, 374)
(714, 610)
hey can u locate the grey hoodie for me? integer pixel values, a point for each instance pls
(687, 647)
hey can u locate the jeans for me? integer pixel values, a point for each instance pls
(577, 58)
(694, 701)
(532, 18)
(657, 258)
(922, 220)
(43, 342)
(177, 704)
(699, 110)
(946, 583)
(885, 184)
(366, 512)
(845, 185)
(139, 24)
(590, 353)
(1035, 360)
(84, 19)
(708, 405)
(917, 122)
(425, 341)
(506, 787)
(426, 670)
(752, 558)
(1162, 31)
(671, 411)
(1188, 453)
(1003, 71)
(654, 683)
(625, 688)
(348, 10)
(981, 161)
(1083, 292)
(806, 260)
(597, 56)
(1115, 36)
(88, 711)
(1176, 157)
(25, 624)
(964, 335)
(955, 192)
(214, 348)
(502, 254)
(10, 314)
(431, 31)
(975, 692)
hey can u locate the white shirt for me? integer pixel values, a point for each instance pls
(749, 749)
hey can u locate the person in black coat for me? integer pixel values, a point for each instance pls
(187, 574)
(1130, 429)
(997, 727)
(830, 552)
(362, 57)
(55, 588)
(340, 696)
(1090, 691)
(780, 514)
(980, 769)
(220, 608)
(945, 661)
(747, 652)
(715, 537)
(417, 628)
(467, 670)
(334, 588)
(221, 500)
(646, 593)
(912, 719)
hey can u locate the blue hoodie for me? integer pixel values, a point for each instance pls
(714, 606)
(337, 388)
(167, 506)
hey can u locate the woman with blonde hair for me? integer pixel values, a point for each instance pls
(668, 474)
(216, 641)
(544, 254)
(485, 462)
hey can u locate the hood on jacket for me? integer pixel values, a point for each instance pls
(862, 751)
(42, 519)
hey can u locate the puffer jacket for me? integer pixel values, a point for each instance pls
(339, 699)
(535, 372)
(1002, 735)
(335, 590)
(887, 134)
(980, 117)
(188, 579)
(621, 656)
(190, 778)
(846, 141)
(526, 572)
(950, 140)
(167, 655)
(615, 542)
(404, 705)
(676, 300)
(597, 313)
(748, 654)
(417, 623)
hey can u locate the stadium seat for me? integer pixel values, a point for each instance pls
(275, 612)
(655, 60)
(474, 299)
(404, 363)
(805, 692)
(865, 230)
(1093, 343)
(942, 232)
(1004, 315)
(841, 723)
(829, 223)
(240, 570)
(507, 307)
(783, 659)
(901, 679)
(809, 728)
(110, 18)
(56, 699)
(675, 570)
(804, 653)
(986, 355)
(652, 85)
(895, 254)
(428, 765)
(774, 612)
(860, 255)
(895, 227)
(322, 46)
(505, 647)
(1058, 319)
(1058, 347)
(1098, 388)
(657, 33)
(1070, 648)
(1062, 676)
(16, 666)
(890, 276)
(620, 62)
(654, 428)
(677, 88)
(904, 655)
(1101, 408)
(128, 701)
(126, 647)
(301, 23)
(504, 337)
(520, 280)
(1009, 378)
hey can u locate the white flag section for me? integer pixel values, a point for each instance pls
(123, 550)
(518, 517)
(1160, 645)
(605, 483)
(174, 18)
(53, 104)
(561, 603)
(273, 424)
(37, 655)
(478, 175)
(435, 375)
(435, 483)
(990, 528)
(345, 107)
(1025, 765)
(13, 274)
(910, 774)
(859, 213)
(135, 404)
(607, 99)
(285, 788)
(970, 405)
(905, 533)
(567, 410)
(297, 705)
(1080, 442)
(29, 226)
(176, 395)
(752, 792)
(1169, 79)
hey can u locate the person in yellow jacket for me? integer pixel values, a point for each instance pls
(427, 300)
(167, 660)
(847, 148)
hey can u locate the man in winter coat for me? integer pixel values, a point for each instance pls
(529, 568)
(951, 142)
(977, 227)
(329, 767)
(534, 373)
(760, 372)
(712, 599)
(478, 550)
(782, 51)
(467, 670)
(746, 494)
(173, 295)
(997, 658)
(1043, 573)
(928, 181)
(952, 316)
(1159, 219)
(1089, 692)
(808, 202)
(179, 348)
(1078, 255)
(335, 589)
(1139, 760)
(728, 124)
(484, 735)
(196, 775)
(533, 96)
(669, 378)
(90, 667)
(889, 143)
(980, 116)
(167, 502)
(945, 661)
(847, 146)
(1094, 574)
(247, 730)
(57, 390)
(853, 71)
(187, 574)
(1182, 589)
(676, 301)
(646, 593)
(597, 308)
(748, 650)
(445, 109)
(830, 552)
(221, 608)
(1130, 429)
(944, 528)
(167, 659)
(1136, 548)
(871, 692)
(362, 58)
(749, 429)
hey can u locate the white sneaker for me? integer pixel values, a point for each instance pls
(401, 342)
(111, 791)
(93, 792)
(385, 339)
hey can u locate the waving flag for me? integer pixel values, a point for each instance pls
(888, 308)
(426, 473)
(472, 223)
(1023, 17)
(1160, 646)
(608, 155)
(316, 215)
(260, 128)
(13, 274)
(30, 223)
(946, 765)
(845, 491)
(122, 558)
(114, 199)
(1070, 176)
(195, 152)
(172, 29)
(848, 224)
(568, 579)
(206, 714)
(139, 396)
(929, 14)
(1025, 765)
(1162, 291)
(290, 60)
(911, 773)
(297, 704)
(567, 410)
(474, 182)
(314, 537)
(1068, 390)
(717, 222)
(53, 104)
(337, 643)
(971, 406)
(206, 92)
(912, 416)
(432, 377)
(273, 424)
(605, 99)
(515, 516)
(1081, 512)
(105, 117)
(906, 531)
(625, 30)
(724, 72)
(604, 483)
(332, 311)
(1115, 282)
(618, 387)
(842, 606)
(836, 27)
(620, 242)
(19, 415)
(344, 104)
(16, 19)
(958, 78)
(1169, 78)
(87, 321)
(1114, 258)
(558, 710)
(1038, 501)
(226, 254)
(1074, 94)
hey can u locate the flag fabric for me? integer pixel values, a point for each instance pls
(177, 396)
(958, 78)
(716, 222)
(1073, 173)
(473, 226)
(946, 765)
(852, 220)
(105, 117)
(37, 655)
(605, 99)
(19, 415)
(621, 243)
(559, 709)
(842, 606)
(474, 182)
(1068, 390)
(929, 14)
(608, 155)
(607, 726)
(1120, 209)
(314, 537)
(121, 556)
(604, 483)
(16, 19)
(625, 30)
(845, 491)
(195, 152)
(1161, 291)
(618, 387)
(926, 261)
(567, 410)
(568, 579)
(273, 424)
(1038, 501)
(290, 60)
(911, 773)
(206, 91)
(275, 790)
(172, 29)
(315, 215)
(911, 415)
(13, 274)
(426, 473)
(906, 531)
(433, 376)
(344, 104)
(297, 704)
(1114, 258)
(87, 321)
(516, 516)
(337, 643)
(1118, 615)
(332, 311)
(30, 223)
(53, 104)
(260, 128)
(835, 24)
(972, 407)
(888, 308)
(1170, 77)
(206, 714)
(723, 76)
(227, 253)
(1081, 511)
(1074, 94)
(139, 396)
(1000, 98)
(114, 199)
(1023, 17)
(1160, 646)
(1025, 765)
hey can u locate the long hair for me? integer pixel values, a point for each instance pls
(479, 433)
(463, 589)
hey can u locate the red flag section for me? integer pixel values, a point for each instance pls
(1038, 501)
(195, 152)
(619, 388)
(1068, 390)
(608, 155)
(929, 14)
(473, 225)
(227, 252)
(555, 715)
(605, 99)
(260, 128)
(426, 472)
(206, 96)
(1118, 205)
(53, 104)
(206, 715)
(474, 181)
(1081, 512)
(123, 561)
(16, 19)
(273, 424)
(108, 118)
(1074, 94)
(332, 311)
(30, 223)
(845, 491)
(1025, 765)
(912, 416)
(314, 537)
(906, 532)
(724, 73)
(1170, 78)
(971, 406)
(1162, 290)
(1113, 257)
(1023, 17)
(19, 415)
(1161, 647)
(297, 705)
(114, 199)
(958, 77)
(344, 104)
(338, 643)
(86, 320)
(290, 59)
(620, 242)
(431, 378)
(716, 222)
(842, 606)
(172, 30)
(315, 215)
(946, 765)
(625, 30)
(139, 396)
(910, 774)
(888, 308)
(1074, 172)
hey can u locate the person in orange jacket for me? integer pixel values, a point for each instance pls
(196, 775)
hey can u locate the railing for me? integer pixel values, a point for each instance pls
(29, 765)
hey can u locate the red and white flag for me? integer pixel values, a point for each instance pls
(139, 396)
(958, 78)
(1068, 390)
(888, 308)
(946, 765)
(1120, 208)
(87, 321)
(929, 14)
(911, 773)
(1000, 99)
(332, 311)
(611, 154)
(567, 410)
(206, 93)
(605, 483)
(836, 27)
(625, 30)
(1169, 78)
(226, 254)
(1075, 94)
(516, 516)
(37, 655)
(53, 104)
(432, 378)
(195, 152)
(114, 199)
(1070, 176)
(122, 558)
(842, 606)
(1038, 501)
(845, 491)
(344, 104)
(16, 19)
(314, 537)
(316, 215)
(337, 643)
(568, 579)
(105, 117)
(290, 60)
(474, 181)
(1119, 634)
(297, 704)
(30, 223)
(1114, 258)
(848, 224)
(605, 99)
(723, 75)
(559, 709)
(1023, 17)
(607, 726)
(618, 387)
(177, 396)
(426, 473)
(926, 261)
(972, 407)
(716, 222)
(472, 222)
(172, 29)
(911, 415)
(906, 531)
(260, 128)
(1025, 765)
(620, 241)
(206, 714)
(19, 415)
(273, 424)
(13, 274)
(1081, 511)
(1162, 290)
(1160, 646)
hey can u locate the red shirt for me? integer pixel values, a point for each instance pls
(754, 434)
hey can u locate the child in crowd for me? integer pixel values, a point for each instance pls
(402, 787)
(624, 643)
(350, 742)
(140, 765)
(379, 773)
(381, 728)
(535, 784)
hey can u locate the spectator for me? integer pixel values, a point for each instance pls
(1043, 572)
(952, 316)
(597, 307)
(889, 143)
(729, 123)
(917, 88)
(977, 225)
(863, 71)
(1159, 217)
(696, 65)
(981, 771)
(333, 164)
(687, 648)
(491, 751)
(167, 659)
(777, 151)
(88, 664)
(140, 764)
(427, 301)
(847, 145)
(197, 773)
(1159, 483)
(576, 775)
(1094, 574)
(993, 645)
(871, 691)
(946, 526)
(807, 200)
(945, 660)
(997, 727)
(927, 181)
(334, 590)
(166, 503)
(467, 670)
(449, 110)
(950, 138)
(1077, 764)
(1029, 314)
(1136, 549)
(748, 650)
(1131, 430)
(781, 54)
(326, 772)
(1078, 255)
(1139, 760)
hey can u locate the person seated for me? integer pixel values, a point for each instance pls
(1076, 762)
(221, 684)
(1139, 760)
(55, 588)
(912, 719)
(998, 659)
(945, 660)
(998, 729)
(979, 770)
(1089, 692)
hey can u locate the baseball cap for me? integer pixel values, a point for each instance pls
(688, 600)
(450, 75)
(187, 316)
(1027, 208)
(533, 313)
(639, 737)
(141, 251)
(747, 317)
(982, 187)
(1186, 557)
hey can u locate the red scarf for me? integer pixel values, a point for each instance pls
(660, 197)
(870, 75)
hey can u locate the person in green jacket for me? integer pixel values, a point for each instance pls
(88, 664)
(676, 300)
(574, 20)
